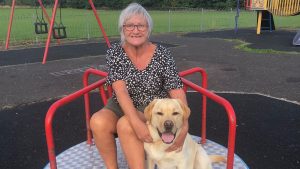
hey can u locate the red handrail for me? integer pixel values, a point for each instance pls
(231, 118)
(87, 99)
(87, 88)
(104, 97)
(204, 100)
(50, 115)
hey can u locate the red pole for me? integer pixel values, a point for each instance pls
(47, 16)
(204, 99)
(50, 31)
(10, 23)
(87, 111)
(87, 99)
(51, 112)
(99, 23)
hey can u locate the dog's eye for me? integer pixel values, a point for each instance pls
(175, 113)
(159, 113)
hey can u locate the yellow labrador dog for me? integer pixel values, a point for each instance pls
(165, 118)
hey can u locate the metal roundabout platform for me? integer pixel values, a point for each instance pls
(85, 156)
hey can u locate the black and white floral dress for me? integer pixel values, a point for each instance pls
(154, 81)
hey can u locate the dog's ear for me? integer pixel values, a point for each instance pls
(148, 110)
(185, 108)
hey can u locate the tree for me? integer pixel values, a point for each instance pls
(120, 4)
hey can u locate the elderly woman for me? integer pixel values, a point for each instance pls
(138, 72)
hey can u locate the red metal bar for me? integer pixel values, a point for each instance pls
(103, 95)
(204, 100)
(12, 10)
(185, 88)
(99, 23)
(44, 10)
(47, 16)
(87, 118)
(50, 31)
(87, 88)
(230, 114)
(182, 74)
(50, 115)
(86, 75)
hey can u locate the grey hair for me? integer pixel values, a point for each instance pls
(131, 10)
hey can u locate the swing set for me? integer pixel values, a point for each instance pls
(57, 29)
(41, 26)
(60, 28)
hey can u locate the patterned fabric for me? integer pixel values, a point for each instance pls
(154, 81)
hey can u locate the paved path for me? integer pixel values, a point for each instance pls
(229, 69)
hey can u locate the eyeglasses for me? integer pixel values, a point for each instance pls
(130, 27)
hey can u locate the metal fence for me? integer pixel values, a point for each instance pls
(82, 25)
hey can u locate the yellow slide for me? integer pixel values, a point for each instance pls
(276, 7)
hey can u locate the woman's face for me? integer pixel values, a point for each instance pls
(136, 30)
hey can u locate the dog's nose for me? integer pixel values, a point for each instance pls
(168, 125)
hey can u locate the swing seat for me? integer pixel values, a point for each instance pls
(41, 27)
(59, 32)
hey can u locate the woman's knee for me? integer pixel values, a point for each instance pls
(123, 126)
(103, 120)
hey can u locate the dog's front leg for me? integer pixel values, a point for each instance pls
(184, 166)
(149, 163)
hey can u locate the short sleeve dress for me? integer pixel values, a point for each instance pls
(143, 86)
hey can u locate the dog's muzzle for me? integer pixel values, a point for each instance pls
(167, 136)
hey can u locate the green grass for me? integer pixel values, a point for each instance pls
(242, 45)
(81, 24)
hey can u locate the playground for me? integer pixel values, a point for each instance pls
(257, 74)
(263, 89)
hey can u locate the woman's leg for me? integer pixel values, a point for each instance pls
(132, 147)
(104, 125)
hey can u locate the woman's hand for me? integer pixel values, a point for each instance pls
(141, 131)
(179, 141)
(136, 118)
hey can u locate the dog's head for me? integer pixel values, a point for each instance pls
(166, 116)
